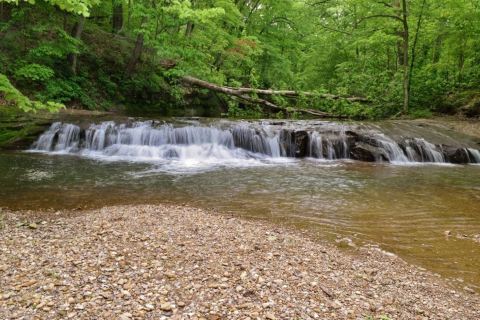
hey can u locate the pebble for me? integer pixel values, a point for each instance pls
(270, 316)
(166, 306)
(125, 316)
(150, 307)
(159, 262)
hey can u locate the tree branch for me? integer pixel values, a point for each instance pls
(381, 16)
(243, 94)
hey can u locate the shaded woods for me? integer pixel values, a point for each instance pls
(358, 59)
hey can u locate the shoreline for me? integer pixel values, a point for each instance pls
(181, 262)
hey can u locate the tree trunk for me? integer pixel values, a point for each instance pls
(190, 24)
(397, 5)
(5, 11)
(406, 75)
(437, 49)
(137, 52)
(189, 29)
(244, 95)
(76, 33)
(117, 16)
(414, 46)
(402, 46)
(355, 27)
(461, 60)
(129, 14)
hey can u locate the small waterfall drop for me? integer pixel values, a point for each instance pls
(393, 152)
(420, 150)
(242, 143)
(328, 145)
(474, 155)
(60, 137)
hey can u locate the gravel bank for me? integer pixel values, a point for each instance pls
(159, 262)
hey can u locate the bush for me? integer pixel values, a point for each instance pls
(16, 98)
(34, 72)
(66, 91)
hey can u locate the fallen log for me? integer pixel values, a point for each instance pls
(243, 94)
(290, 93)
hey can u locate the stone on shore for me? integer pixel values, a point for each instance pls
(158, 262)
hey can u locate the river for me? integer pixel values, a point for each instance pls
(404, 198)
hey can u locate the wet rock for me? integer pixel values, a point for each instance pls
(365, 152)
(171, 153)
(301, 144)
(295, 143)
(455, 155)
(366, 139)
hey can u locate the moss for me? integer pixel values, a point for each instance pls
(19, 129)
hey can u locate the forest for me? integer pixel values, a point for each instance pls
(240, 159)
(243, 58)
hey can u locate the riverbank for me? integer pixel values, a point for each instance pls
(135, 262)
(18, 130)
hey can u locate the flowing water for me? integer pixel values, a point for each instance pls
(303, 173)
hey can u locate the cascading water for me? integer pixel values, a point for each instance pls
(242, 143)
(265, 143)
(187, 146)
(421, 150)
(393, 152)
(474, 155)
(328, 146)
(59, 137)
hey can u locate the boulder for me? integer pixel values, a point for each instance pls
(301, 139)
(368, 153)
(295, 143)
(456, 155)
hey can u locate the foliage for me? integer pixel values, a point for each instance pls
(235, 111)
(81, 7)
(342, 47)
(34, 72)
(15, 97)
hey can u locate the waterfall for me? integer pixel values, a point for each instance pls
(264, 143)
(242, 142)
(421, 150)
(316, 146)
(59, 137)
(474, 154)
(328, 145)
(393, 151)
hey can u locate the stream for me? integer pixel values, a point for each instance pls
(399, 185)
